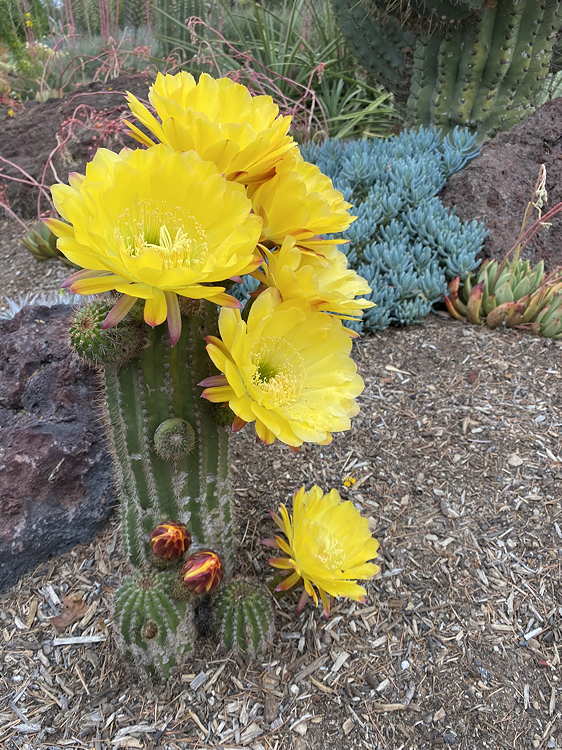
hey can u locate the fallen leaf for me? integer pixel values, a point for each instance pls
(73, 609)
(472, 376)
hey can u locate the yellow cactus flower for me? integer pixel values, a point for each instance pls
(219, 119)
(287, 369)
(153, 224)
(328, 546)
(301, 201)
(326, 284)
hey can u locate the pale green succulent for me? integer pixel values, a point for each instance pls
(510, 292)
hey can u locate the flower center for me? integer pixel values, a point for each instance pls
(176, 239)
(328, 548)
(264, 372)
(276, 373)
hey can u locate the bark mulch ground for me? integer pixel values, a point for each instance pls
(458, 463)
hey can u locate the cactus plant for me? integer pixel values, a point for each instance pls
(457, 62)
(96, 347)
(156, 629)
(243, 615)
(147, 397)
(165, 226)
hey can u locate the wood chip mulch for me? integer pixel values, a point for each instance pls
(457, 461)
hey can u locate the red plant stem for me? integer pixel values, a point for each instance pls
(526, 236)
(29, 179)
(13, 214)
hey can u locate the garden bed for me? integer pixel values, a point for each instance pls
(456, 457)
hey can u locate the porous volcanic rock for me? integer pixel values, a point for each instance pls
(496, 186)
(55, 471)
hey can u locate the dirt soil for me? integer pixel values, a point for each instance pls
(458, 461)
(21, 275)
(496, 187)
(50, 139)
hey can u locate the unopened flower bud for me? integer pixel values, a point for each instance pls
(170, 540)
(201, 572)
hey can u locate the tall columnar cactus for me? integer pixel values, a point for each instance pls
(159, 385)
(176, 228)
(152, 403)
(171, 463)
(457, 62)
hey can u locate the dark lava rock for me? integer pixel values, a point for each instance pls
(496, 186)
(55, 471)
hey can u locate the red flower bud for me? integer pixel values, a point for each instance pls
(201, 572)
(170, 540)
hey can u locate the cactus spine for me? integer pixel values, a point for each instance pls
(150, 400)
(244, 616)
(476, 63)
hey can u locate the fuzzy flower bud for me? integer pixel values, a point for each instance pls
(170, 540)
(201, 572)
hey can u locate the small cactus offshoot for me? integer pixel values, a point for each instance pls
(42, 244)
(157, 630)
(174, 438)
(244, 616)
(97, 346)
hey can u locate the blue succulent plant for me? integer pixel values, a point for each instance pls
(405, 242)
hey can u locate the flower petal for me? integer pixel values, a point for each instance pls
(155, 309)
(119, 311)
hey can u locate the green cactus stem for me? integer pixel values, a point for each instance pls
(141, 398)
(156, 630)
(457, 62)
(171, 464)
(244, 618)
